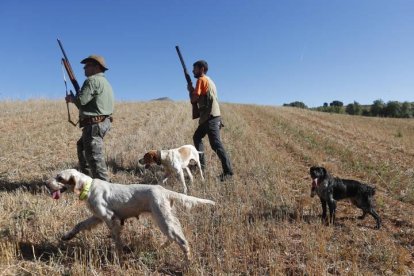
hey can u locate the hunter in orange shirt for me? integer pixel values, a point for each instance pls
(205, 95)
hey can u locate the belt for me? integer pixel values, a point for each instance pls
(94, 120)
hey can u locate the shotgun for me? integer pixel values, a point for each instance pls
(69, 71)
(195, 112)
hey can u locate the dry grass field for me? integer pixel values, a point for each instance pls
(264, 223)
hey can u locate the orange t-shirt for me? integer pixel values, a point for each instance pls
(201, 87)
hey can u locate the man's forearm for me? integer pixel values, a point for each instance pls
(194, 98)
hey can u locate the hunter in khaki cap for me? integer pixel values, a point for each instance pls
(95, 102)
(95, 58)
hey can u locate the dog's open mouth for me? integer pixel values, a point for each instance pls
(145, 164)
(314, 186)
(56, 194)
(314, 183)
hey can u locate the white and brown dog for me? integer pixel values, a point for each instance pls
(113, 203)
(174, 161)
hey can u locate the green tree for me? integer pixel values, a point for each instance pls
(336, 103)
(377, 108)
(406, 110)
(393, 109)
(296, 104)
(354, 109)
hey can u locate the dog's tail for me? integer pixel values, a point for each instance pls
(189, 201)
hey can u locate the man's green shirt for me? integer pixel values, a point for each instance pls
(95, 97)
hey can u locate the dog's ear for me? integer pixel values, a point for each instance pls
(147, 158)
(77, 182)
(151, 156)
(324, 171)
(154, 156)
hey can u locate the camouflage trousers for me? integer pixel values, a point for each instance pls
(91, 150)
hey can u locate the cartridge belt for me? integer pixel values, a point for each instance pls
(94, 120)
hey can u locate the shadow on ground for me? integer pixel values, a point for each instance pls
(33, 187)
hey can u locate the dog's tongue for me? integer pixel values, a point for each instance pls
(56, 194)
(315, 182)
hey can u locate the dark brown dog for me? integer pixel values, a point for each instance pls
(330, 190)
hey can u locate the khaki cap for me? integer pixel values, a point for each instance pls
(99, 59)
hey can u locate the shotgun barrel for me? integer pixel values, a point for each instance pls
(195, 111)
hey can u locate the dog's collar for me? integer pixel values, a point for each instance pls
(85, 190)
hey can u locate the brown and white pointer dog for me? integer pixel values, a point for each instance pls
(174, 161)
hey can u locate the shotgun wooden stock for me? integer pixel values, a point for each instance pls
(71, 75)
(68, 68)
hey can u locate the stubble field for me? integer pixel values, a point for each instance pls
(264, 223)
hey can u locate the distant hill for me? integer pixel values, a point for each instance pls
(163, 99)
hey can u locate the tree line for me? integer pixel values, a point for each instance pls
(379, 108)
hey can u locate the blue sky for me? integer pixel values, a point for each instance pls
(265, 52)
